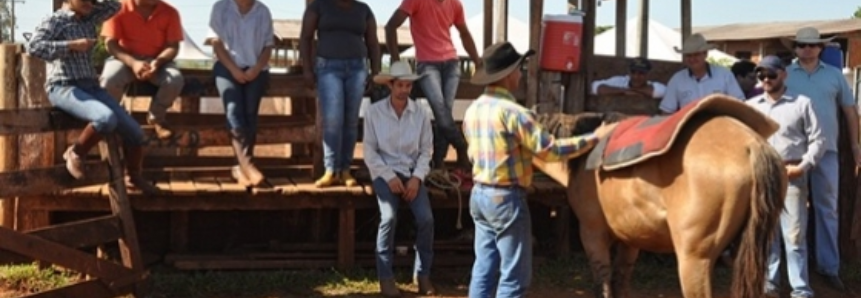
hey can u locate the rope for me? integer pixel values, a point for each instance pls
(443, 180)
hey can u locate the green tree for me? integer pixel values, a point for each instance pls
(857, 14)
(601, 29)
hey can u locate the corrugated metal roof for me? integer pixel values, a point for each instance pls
(770, 30)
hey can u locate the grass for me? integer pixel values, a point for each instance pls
(30, 278)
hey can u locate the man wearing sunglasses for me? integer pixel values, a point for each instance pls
(800, 142)
(635, 83)
(830, 93)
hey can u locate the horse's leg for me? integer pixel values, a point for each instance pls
(623, 266)
(597, 244)
(695, 274)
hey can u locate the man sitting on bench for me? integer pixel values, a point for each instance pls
(143, 39)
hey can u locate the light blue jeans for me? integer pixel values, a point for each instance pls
(86, 100)
(340, 88)
(439, 84)
(503, 242)
(241, 101)
(825, 178)
(792, 233)
(423, 214)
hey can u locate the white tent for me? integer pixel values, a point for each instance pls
(662, 39)
(188, 50)
(518, 35)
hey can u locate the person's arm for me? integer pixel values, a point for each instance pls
(815, 138)
(545, 146)
(306, 37)
(217, 26)
(658, 90)
(398, 18)
(44, 43)
(670, 103)
(370, 146)
(425, 147)
(372, 42)
(174, 37)
(465, 36)
(104, 10)
(268, 32)
(610, 86)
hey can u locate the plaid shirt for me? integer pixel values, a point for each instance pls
(504, 137)
(52, 37)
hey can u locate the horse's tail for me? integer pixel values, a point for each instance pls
(769, 188)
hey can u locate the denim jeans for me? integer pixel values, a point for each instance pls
(86, 100)
(388, 221)
(340, 88)
(824, 180)
(503, 242)
(439, 84)
(241, 101)
(792, 233)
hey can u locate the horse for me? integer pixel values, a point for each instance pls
(719, 183)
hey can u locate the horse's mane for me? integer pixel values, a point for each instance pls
(566, 126)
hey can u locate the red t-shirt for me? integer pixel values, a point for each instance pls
(144, 37)
(430, 25)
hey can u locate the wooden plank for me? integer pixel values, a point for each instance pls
(621, 27)
(179, 231)
(686, 20)
(207, 185)
(49, 180)
(346, 237)
(228, 185)
(32, 95)
(502, 20)
(92, 289)
(84, 233)
(183, 187)
(536, 11)
(120, 206)
(631, 105)
(55, 253)
(8, 144)
(643, 29)
(487, 35)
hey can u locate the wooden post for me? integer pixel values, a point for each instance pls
(502, 20)
(8, 144)
(58, 4)
(578, 84)
(686, 19)
(643, 29)
(621, 27)
(532, 79)
(488, 24)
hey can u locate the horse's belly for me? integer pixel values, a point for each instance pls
(638, 220)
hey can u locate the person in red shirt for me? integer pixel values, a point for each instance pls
(143, 39)
(438, 63)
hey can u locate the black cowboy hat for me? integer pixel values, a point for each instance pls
(500, 59)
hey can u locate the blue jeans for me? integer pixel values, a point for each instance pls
(388, 221)
(792, 233)
(503, 242)
(241, 101)
(824, 180)
(340, 88)
(439, 84)
(86, 100)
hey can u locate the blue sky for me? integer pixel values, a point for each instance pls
(195, 13)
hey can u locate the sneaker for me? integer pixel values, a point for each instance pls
(74, 164)
(328, 179)
(162, 130)
(348, 179)
(388, 288)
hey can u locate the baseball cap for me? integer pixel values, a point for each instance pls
(640, 64)
(770, 63)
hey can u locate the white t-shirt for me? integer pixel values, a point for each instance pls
(684, 89)
(658, 89)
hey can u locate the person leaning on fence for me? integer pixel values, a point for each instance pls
(635, 83)
(143, 39)
(397, 146)
(346, 39)
(503, 138)
(66, 39)
(241, 33)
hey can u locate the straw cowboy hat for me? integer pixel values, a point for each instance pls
(806, 35)
(500, 59)
(694, 44)
(398, 71)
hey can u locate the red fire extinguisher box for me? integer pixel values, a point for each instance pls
(561, 40)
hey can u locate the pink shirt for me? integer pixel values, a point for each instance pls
(430, 25)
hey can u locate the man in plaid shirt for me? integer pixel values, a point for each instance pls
(503, 138)
(66, 39)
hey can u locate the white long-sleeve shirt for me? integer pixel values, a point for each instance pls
(397, 145)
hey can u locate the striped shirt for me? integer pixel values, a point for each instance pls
(800, 136)
(393, 144)
(244, 36)
(503, 138)
(51, 41)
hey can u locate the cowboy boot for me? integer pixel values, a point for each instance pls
(134, 168)
(76, 153)
(162, 130)
(348, 179)
(388, 288)
(426, 288)
(247, 172)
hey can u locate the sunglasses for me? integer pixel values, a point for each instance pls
(766, 75)
(807, 45)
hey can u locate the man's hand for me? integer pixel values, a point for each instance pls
(142, 69)
(396, 186)
(251, 73)
(605, 129)
(238, 75)
(412, 189)
(82, 44)
(793, 171)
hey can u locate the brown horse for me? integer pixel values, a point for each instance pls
(719, 183)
